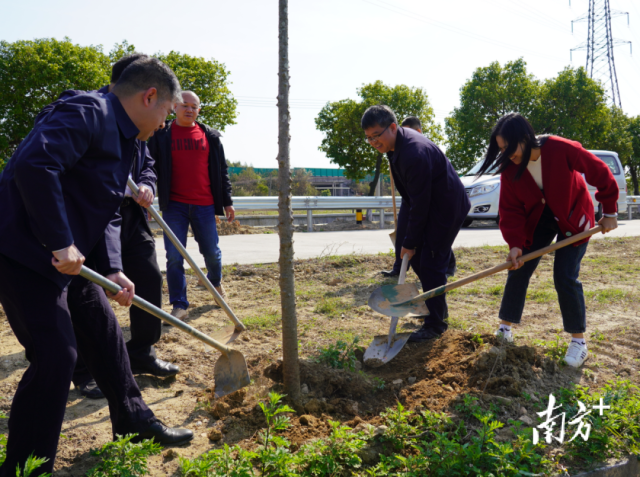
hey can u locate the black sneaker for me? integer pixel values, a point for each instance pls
(390, 273)
(91, 390)
(423, 334)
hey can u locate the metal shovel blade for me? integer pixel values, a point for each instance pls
(392, 236)
(384, 348)
(382, 298)
(231, 373)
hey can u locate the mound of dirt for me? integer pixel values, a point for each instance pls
(433, 375)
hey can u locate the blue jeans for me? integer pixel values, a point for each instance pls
(566, 269)
(202, 219)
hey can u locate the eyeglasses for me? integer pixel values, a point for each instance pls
(377, 136)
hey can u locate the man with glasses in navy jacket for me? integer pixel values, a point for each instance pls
(434, 203)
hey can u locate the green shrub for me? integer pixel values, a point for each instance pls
(340, 355)
(123, 458)
(220, 463)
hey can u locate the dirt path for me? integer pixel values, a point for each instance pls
(332, 294)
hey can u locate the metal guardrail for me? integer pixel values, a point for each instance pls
(632, 201)
(312, 203)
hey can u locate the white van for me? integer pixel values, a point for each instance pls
(484, 193)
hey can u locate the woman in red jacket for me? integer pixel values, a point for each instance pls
(543, 197)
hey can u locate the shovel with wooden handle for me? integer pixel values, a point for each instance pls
(392, 235)
(230, 371)
(384, 348)
(391, 300)
(226, 335)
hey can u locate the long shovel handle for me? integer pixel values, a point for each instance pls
(393, 199)
(183, 251)
(501, 267)
(155, 311)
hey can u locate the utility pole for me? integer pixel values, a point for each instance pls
(599, 46)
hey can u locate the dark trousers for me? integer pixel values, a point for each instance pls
(566, 269)
(431, 267)
(202, 219)
(43, 319)
(401, 231)
(141, 267)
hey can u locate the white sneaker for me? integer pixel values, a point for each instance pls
(504, 335)
(576, 354)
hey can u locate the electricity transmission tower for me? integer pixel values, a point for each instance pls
(600, 44)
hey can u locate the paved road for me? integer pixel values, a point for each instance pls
(264, 248)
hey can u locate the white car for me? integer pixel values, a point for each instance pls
(484, 192)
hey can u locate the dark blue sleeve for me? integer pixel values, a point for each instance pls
(418, 187)
(108, 250)
(147, 174)
(53, 147)
(70, 93)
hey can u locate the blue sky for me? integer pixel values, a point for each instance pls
(335, 47)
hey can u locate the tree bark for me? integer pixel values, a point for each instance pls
(634, 179)
(376, 177)
(291, 371)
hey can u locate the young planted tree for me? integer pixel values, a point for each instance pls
(285, 214)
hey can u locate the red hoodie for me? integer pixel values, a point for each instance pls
(565, 191)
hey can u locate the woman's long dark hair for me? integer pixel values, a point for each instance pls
(514, 129)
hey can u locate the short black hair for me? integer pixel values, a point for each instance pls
(120, 65)
(378, 115)
(148, 73)
(514, 129)
(412, 122)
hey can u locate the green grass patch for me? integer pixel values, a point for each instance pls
(555, 349)
(542, 295)
(264, 320)
(331, 306)
(495, 290)
(609, 295)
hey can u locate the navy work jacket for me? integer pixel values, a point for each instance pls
(66, 181)
(430, 188)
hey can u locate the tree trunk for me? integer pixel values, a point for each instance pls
(634, 179)
(376, 177)
(285, 215)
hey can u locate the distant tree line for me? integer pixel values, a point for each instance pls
(33, 73)
(571, 105)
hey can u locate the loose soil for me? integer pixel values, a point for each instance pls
(332, 294)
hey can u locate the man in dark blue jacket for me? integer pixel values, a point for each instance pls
(414, 123)
(59, 192)
(130, 232)
(433, 200)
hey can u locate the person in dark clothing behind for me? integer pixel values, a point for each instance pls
(414, 123)
(139, 263)
(59, 191)
(433, 199)
(193, 187)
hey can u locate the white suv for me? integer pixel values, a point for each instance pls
(484, 193)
